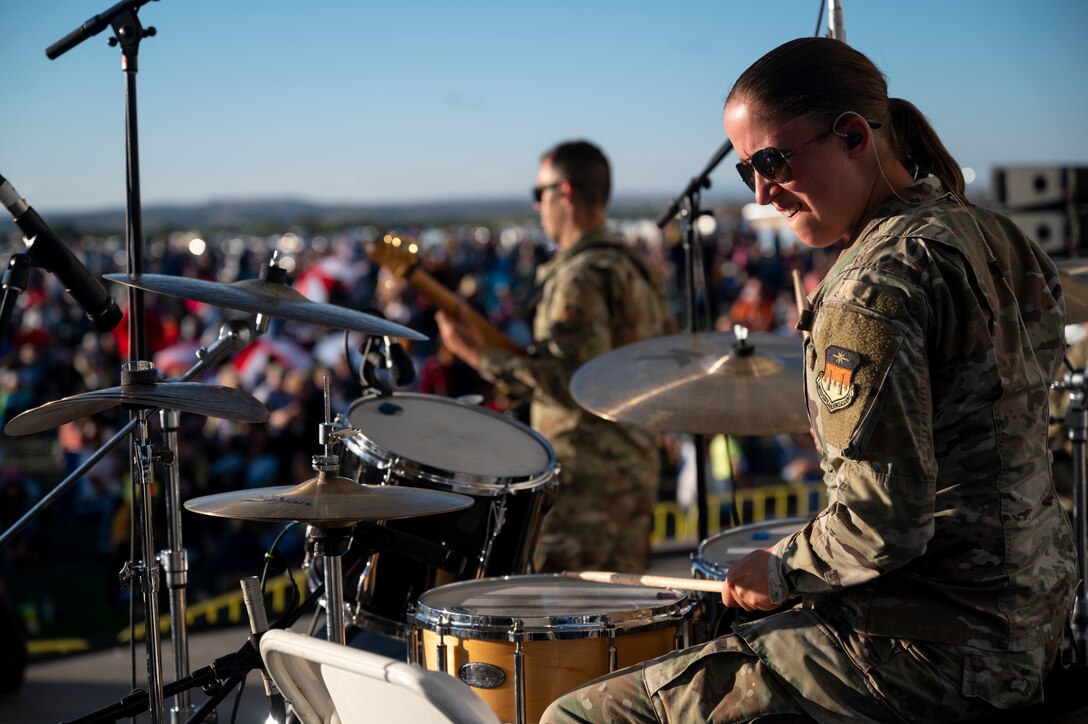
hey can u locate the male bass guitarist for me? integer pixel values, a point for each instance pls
(597, 293)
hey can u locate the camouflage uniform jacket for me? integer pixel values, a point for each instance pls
(596, 295)
(933, 340)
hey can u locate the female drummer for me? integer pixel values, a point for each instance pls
(937, 583)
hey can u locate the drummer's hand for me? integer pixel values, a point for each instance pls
(460, 336)
(746, 583)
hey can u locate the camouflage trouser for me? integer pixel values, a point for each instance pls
(599, 524)
(795, 664)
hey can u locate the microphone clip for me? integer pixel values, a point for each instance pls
(385, 364)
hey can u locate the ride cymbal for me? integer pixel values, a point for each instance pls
(329, 501)
(226, 403)
(271, 298)
(699, 383)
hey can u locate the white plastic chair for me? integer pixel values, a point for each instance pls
(327, 683)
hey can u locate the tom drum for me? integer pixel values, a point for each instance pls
(441, 443)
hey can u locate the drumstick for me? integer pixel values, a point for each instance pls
(632, 579)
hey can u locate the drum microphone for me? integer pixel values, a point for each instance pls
(49, 252)
(404, 370)
(258, 624)
(393, 359)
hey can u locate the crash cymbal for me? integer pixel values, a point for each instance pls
(210, 400)
(1073, 275)
(699, 383)
(270, 298)
(329, 501)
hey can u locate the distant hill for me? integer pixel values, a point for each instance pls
(271, 215)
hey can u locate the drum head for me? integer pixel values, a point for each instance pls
(718, 552)
(546, 606)
(443, 438)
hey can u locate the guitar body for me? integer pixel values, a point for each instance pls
(401, 258)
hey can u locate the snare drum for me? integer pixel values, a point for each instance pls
(441, 443)
(521, 642)
(716, 554)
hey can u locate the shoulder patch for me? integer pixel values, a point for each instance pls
(858, 350)
(835, 384)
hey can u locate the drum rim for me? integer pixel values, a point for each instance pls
(546, 628)
(457, 481)
(713, 569)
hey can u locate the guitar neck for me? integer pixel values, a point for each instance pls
(447, 301)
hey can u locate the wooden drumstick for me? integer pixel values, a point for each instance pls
(632, 579)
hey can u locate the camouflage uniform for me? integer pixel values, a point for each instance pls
(597, 294)
(938, 582)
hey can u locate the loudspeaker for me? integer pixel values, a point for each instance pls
(853, 138)
(1039, 187)
(1057, 233)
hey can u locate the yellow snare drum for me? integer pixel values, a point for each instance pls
(521, 642)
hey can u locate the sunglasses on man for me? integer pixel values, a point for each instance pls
(538, 191)
(774, 164)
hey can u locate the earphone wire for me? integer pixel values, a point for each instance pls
(876, 154)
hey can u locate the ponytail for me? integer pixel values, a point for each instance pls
(920, 149)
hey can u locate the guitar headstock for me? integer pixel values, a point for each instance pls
(398, 254)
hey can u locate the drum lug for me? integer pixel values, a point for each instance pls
(520, 705)
(443, 624)
(613, 658)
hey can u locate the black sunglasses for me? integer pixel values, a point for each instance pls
(538, 191)
(772, 164)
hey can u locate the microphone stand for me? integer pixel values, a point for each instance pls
(217, 679)
(16, 277)
(128, 32)
(686, 208)
(233, 336)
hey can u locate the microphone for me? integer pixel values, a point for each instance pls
(49, 252)
(404, 370)
(258, 624)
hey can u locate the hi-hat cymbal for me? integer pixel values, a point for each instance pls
(1073, 275)
(227, 403)
(270, 298)
(699, 383)
(329, 501)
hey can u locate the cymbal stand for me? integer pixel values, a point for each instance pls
(1076, 421)
(686, 208)
(233, 335)
(331, 544)
(144, 456)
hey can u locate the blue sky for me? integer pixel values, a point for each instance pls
(376, 101)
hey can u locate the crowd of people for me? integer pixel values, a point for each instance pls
(52, 351)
